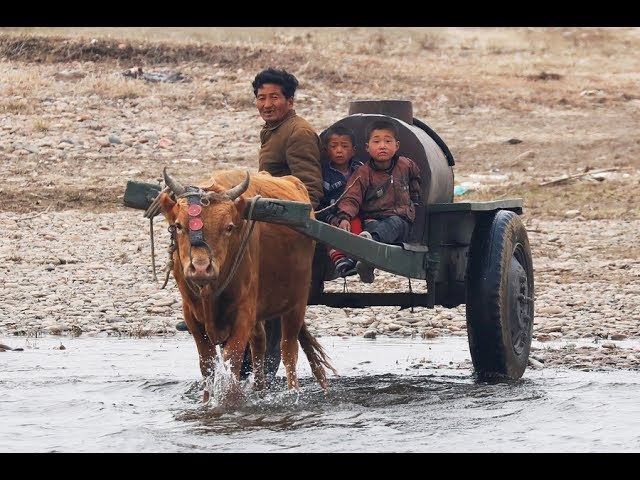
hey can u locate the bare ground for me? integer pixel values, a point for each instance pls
(570, 96)
(518, 107)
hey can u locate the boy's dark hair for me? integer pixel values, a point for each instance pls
(287, 81)
(382, 125)
(339, 130)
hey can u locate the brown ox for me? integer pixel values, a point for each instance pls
(271, 279)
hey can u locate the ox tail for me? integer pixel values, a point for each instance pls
(316, 355)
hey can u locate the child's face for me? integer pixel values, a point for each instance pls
(382, 145)
(340, 149)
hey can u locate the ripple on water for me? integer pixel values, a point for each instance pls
(132, 396)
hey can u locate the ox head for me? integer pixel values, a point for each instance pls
(206, 223)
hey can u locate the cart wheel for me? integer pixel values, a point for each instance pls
(500, 297)
(272, 356)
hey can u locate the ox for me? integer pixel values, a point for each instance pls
(232, 281)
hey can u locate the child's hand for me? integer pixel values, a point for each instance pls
(345, 225)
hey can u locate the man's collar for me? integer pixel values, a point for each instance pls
(277, 123)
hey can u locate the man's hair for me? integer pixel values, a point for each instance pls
(382, 125)
(287, 81)
(339, 130)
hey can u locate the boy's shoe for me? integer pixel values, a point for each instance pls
(182, 326)
(330, 272)
(365, 270)
(345, 267)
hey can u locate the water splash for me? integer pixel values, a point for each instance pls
(223, 387)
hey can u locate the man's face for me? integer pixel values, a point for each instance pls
(271, 102)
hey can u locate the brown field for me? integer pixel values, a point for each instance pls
(571, 95)
(520, 109)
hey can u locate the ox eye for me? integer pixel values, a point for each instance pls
(230, 228)
(178, 226)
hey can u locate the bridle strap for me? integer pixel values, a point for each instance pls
(247, 230)
(195, 218)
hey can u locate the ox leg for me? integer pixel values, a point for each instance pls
(206, 350)
(234, 349)
(234, 352)
(272, 356)
(291, 324)
(258, 348)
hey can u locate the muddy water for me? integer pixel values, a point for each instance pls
(393, 395)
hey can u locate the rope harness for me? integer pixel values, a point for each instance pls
(197, 199)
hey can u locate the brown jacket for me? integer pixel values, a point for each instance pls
(376, 194)
(292, 147)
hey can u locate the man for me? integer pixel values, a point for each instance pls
(288, 146)
(288, 143)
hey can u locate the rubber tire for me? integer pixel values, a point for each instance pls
(272, 357)
(500, 297)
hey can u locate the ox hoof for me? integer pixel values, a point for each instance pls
(259, 386)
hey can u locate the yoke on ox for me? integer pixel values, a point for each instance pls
(233, 275)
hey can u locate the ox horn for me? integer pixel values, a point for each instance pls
(175, 186)
(239, 189)
(213, 184)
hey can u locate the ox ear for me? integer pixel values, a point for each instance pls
(240, 203)
(166, 205)
(215, 188)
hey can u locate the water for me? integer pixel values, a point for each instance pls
(144, 395)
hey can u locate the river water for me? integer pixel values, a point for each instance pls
(392, 395)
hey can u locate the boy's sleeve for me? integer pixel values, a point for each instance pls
(328, 214)
(349, 205)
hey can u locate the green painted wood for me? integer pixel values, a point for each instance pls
(139, 195)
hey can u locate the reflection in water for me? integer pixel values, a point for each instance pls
(109, 395)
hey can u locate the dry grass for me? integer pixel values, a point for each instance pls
(40, 125)
(572, 95)
(116, 87)
(18, 82)
(14, 105)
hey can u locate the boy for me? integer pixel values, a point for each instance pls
(384, 192)
(339, 142)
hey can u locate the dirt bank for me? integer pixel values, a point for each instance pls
(520, 108)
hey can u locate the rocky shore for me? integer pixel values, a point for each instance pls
(81, 273)
(521, 115)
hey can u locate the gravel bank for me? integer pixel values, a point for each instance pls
(79, 273)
